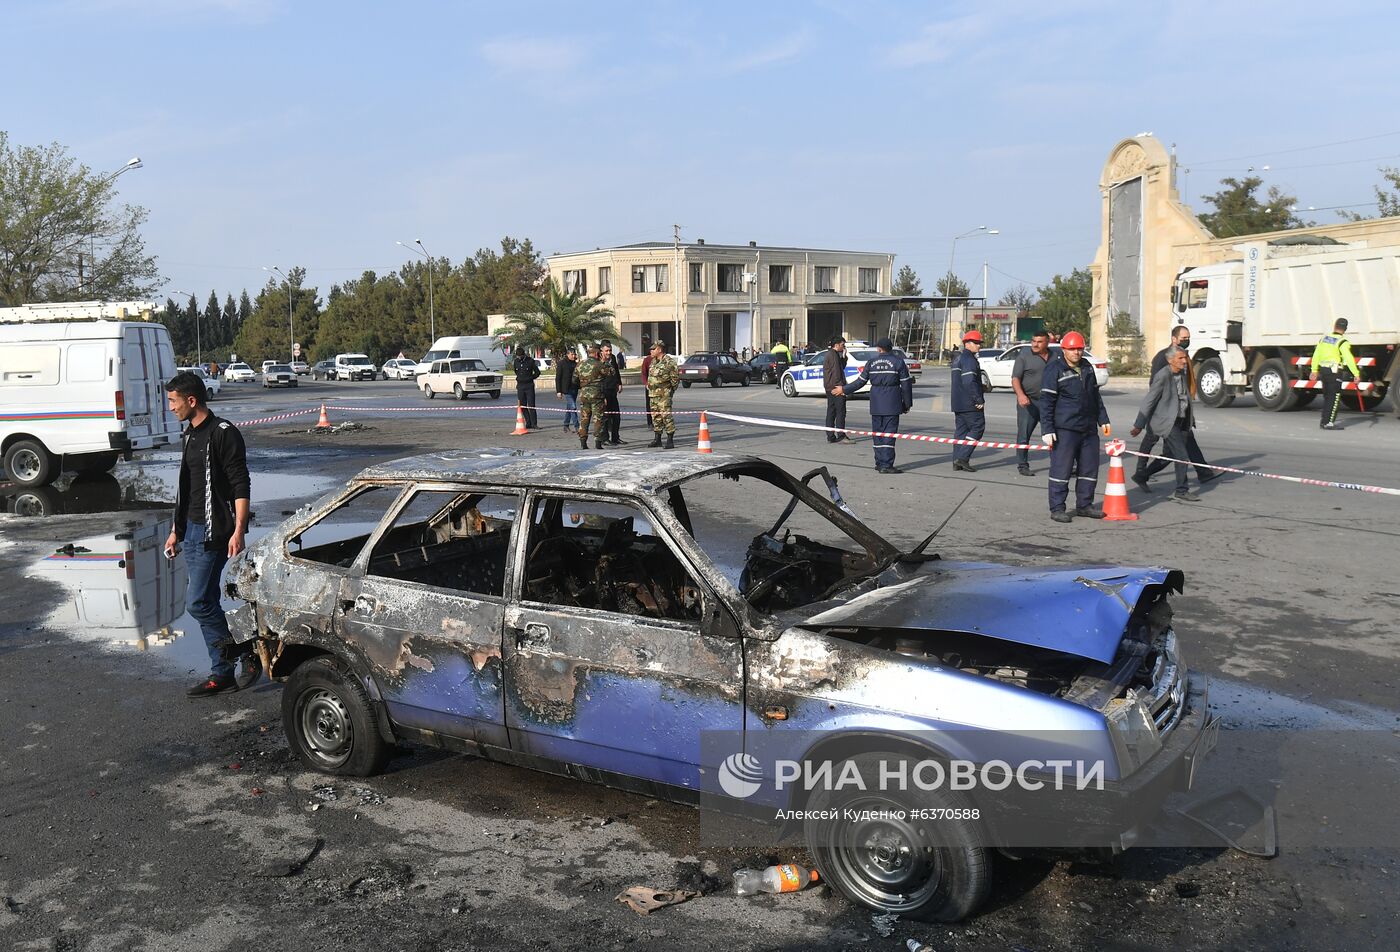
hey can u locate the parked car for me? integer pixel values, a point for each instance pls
(767, 368)
(996, 370)
(239, 373)
(713, 368)
(212, 385)
(354, 367)
(400, 368)
(915, 365)
(806, 381)
(323, 370)
(300, 368)
(526, 606)
(460, 377)
(279, 375)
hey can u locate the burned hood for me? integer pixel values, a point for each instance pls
(1080, 611)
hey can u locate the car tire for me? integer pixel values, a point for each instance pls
(789, 386)
(686, 384)
(949, 874)
(744, 381)
(330, 721)
(28, 463)
(458, 392)
(428, 391)
(716, 382)
(495, 394)
(1211, 387)
(1273, 387)
(986, 383)
(292, 384)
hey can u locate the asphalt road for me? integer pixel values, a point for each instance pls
(136, 819)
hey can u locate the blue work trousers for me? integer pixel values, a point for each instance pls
(884, 445)
(205, 568)
(1074, 450)
(971, 424)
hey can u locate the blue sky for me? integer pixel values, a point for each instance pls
(318, 134)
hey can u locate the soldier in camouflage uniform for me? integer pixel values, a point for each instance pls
(662, 379)
(590, 398)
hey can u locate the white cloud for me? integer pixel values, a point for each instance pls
(533, 54)
(937, 42)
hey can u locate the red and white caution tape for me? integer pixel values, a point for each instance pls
(1303, 480)
(916, 437)
(280, 416)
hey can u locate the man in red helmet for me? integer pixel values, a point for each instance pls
(968, 401)
(1071, 407)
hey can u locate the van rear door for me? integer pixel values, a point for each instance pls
(148, 361)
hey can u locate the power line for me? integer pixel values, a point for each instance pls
(1304, 148)
(1312, 165)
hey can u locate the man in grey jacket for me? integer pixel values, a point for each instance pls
(1167, 411)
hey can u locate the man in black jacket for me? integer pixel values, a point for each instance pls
(834, 385)
(211, 519)
(526, 370)
(566, 386)
(611, 388)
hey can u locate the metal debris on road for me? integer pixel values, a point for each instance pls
(884, 925)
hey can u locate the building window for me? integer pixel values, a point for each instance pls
(576, 282)
(605, 280)
(731, 277)
(780, 278)
(869, 280)
(825, 282)
(647, 278)
(697, 276)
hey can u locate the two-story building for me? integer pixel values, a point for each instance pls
(698, 296)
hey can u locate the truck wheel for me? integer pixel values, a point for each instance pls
(789, 386)
(29, 464)
(428, 391)
(329, 721)
(927, 870)
(1210, 384)
(1273, 387)
(39, 501)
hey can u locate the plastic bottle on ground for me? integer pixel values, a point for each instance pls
(789, 877)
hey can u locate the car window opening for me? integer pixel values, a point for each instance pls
(449, 539)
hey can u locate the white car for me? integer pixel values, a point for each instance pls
(239, 373)
(996, 371)
(805, 379)
(279, 375)
(460, 377)
(400, 368)
(300, 368)
(212, 385)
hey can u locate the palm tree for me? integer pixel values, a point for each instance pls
(555, 322)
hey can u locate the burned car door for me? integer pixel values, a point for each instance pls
(427, 609)
(613, 655)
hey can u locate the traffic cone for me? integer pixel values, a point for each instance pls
(704, 445)
(1115, 495)
(325, 421)
(520, 428)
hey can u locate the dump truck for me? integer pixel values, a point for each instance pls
(1254, 321)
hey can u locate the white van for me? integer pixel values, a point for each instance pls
(82, 385)
(480, 348)
(354, 367)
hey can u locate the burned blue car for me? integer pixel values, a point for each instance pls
(713, 628)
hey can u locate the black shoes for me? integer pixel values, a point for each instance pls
(655, 441)
(598, 443)
(212, 685)
(670, 441)
(1025, 469)
(249, 670)
(888, 470)
(1142, 483)
(1092, 512)
(1059, 515)
(964, 465)
(1185, 495)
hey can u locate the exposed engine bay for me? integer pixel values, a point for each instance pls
(793, 570)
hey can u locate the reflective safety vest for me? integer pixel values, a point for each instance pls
(1333, 351)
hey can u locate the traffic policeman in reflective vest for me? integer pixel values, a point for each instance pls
(1070, 409)
(968, 402)
(1329, 356)
(891, 394)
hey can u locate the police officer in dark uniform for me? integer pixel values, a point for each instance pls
(526, 370)
(968, 401)
(891, 394)
(1070, 409)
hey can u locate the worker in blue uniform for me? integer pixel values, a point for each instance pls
(968, 401)
(1071, 407)
(891, 394)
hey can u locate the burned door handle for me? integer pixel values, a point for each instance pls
(364, 605)
(533, 633)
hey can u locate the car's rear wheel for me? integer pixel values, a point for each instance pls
(29, 464)
(789, 386)
(716, 381)
(428, 391)
(458, 392)
(330, 722)
(874, 850)
(744, 380)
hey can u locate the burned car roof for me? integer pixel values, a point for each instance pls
(635, 471)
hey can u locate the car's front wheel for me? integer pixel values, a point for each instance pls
(458, 392)
(495, 394)
(789, 386)
(874, 849)
(329, 721)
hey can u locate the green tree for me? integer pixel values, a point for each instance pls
(1064, 302)
(245, 311)
(555, 322)
(1239, 212)
(951, 286)
(228, 320)
(906, 283)
(1387, 199)
(209, 324)
(265, 335)
(59, 219)
(1020, 297)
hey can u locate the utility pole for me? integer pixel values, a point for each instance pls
(676, 279)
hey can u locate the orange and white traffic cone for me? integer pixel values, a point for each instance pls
(703, 446)
(1115, 494)
(520, 428)
(325, 421)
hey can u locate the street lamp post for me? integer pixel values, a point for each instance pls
(291, 334)
(432, 322)
(132, 163)
(948, 281)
